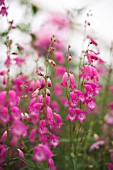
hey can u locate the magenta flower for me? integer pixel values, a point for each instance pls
(57, 90)
(59, 71)
(91, 105)
(4, 115)
(60, 19)
(92, 40)
(64, 82)
(3, 11)
(19, 129)
(91, 57)
(57, 121)
(42, 82)
(96, 145)
(72, 81)
(42, 129)
(2, 2)
(110, 166)
(59, 57)
(3, 137)
(71, 115)
(8, 61)
(19, 61)
(89, 73)
(54, 140)
(42, 153)
(3, 150)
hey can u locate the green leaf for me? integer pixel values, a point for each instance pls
(29, 163)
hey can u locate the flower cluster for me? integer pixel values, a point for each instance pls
(82, 99)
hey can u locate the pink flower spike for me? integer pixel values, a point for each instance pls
(64, 82)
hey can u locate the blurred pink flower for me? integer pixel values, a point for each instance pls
(60, 19)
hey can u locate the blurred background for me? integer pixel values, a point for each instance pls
(33, 14)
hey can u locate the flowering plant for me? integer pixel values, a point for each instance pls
(54, 116)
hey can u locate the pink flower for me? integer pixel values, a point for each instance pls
(49, 113)
(59, 71)
(64, 82)
(71, 114)
(111, 88)
(3, 11)
(8, 61)
(92, 40)
(32, 136)
(19, 61)
(81, 117)
(3, 150)
(110, 166)
(19, 129)
(42, 153)
(55, 106)
(42, 82)
(49, 82)
(89, 73)
(59, 57)
(91, 105)
(4, 115)
(91, 57)
(60, 19)
(2, 2)
(3, 137)
(57, 90)
(97, 145)
(13, 98)
(72, 81)
(57, 121)
(42, 129)
(44, 37)
(54, 140)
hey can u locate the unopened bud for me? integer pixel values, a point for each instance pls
(69, 58)
(52, 62)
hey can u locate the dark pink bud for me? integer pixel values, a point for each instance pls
(52, 62)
